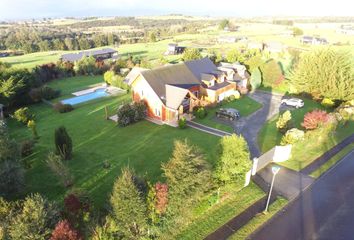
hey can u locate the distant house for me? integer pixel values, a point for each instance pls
(173, 49)
(101, 54)
(346, 29)
(230, 39)
(313, 40)
(174, 90)
(274, 47)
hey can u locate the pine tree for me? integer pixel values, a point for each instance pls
(233, 160)
(187, 174)
(129, 210)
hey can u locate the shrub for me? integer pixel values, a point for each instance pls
(200, 112)
(63, 143)
(64, 231)
(57, 166)
(23, 115)
(292, 136)
(35, 94)
(327, 102)
(27, 148)
(49, 93)
(76, 208)
(315, 119)
(182, 123)
(284, 122)
(32, 125)
(131, 113)
(161, 197)
(63, 108)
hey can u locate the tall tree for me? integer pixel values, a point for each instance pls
(235, 55)
(129, 209)
(256, 79)
(11, 170)
(272, 73)
(35, 219)
(187, 174)
(191, 54)
(234, 160)
(223, 24)
(325, 72)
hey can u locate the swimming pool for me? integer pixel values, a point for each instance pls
(98, 93)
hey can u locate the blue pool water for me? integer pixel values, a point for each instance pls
(99, 93)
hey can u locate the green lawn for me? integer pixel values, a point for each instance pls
(142, 146)
(269, 136)
(221, 213)
(33, 59)
(245, 105)
(69, 85)
(325, 167)
(259, 220)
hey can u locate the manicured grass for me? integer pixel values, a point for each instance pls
(245, 105)
(33, 59)
(69, 85)
(325, 167)
(259, 220)
(221, 213)
(143, 146)
(269, 136)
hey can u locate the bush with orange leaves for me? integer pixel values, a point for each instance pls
(315, 119)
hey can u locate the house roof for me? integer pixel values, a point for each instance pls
(72, 57)
(197, 67)
(207, 77)
(177, 74)
(217, 86)
(175, 96)
(133, 74)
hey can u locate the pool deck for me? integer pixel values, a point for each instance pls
(90, 90)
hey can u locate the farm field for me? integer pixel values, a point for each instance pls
(96, 141)
(204, 39)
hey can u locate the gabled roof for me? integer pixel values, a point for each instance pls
(133, 74)
(175, 75)
(197, 67)
(207, 77)
(175, 96)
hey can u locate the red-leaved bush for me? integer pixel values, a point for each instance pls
(161, 197)
(72, 203)
(314, 119)
(64, 231)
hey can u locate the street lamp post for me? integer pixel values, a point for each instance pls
(275, 170)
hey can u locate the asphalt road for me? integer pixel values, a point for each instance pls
(324, 211)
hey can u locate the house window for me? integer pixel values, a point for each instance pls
(196, 93)
(157, 112)
(142, 93)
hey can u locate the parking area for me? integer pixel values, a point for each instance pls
(249, 126)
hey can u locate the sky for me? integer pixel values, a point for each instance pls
(28, 9)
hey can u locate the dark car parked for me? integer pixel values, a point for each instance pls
(228, 113)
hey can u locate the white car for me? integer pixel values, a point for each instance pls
(294, 102)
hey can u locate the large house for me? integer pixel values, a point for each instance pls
(174, 90)
(101, 54)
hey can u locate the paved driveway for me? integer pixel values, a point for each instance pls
(324, 211)
(250, 126)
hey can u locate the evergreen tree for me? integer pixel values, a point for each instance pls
(129, 208)
(256, 79)
(272, 73)
(187, 174)
(233, 160)
(191, 54)
(63, 143)
(325, 72)
(11, 170)
(35, 219)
